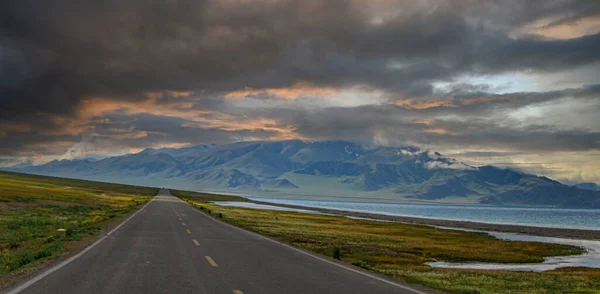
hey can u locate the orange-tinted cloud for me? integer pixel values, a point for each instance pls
(426, 122)
(293, 92)
(227, 122)
(160, 145)
(133, 134)
(431, 102)
(6, 127)
(433, 127)
(440, 131)
(97, 106)
(419, 103)
(547, 28)
(169, 93)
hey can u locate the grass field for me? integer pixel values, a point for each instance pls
(33, 208)
(205, 197)
(400, 250)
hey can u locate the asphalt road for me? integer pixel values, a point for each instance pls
(169, 247)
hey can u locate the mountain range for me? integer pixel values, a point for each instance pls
(332, 169)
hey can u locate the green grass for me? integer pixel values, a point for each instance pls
(32, 208)
(205, 197)
(400, 251)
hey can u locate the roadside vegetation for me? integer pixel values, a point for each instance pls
(34, 208)
(205, 197)
(400, 250)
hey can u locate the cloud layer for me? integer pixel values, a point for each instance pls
(502, 77)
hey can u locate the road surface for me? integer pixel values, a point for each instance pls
(170, 247)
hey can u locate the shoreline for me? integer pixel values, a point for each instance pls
(529, 230)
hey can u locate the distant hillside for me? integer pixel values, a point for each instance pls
(330, 168)
(588, 186)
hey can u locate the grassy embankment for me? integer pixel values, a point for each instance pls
(32, 208)
(400, 250)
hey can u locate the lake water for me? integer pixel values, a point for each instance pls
(541, 217)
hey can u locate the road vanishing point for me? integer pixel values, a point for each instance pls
(170, 247)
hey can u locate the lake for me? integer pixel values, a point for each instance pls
(529, 216)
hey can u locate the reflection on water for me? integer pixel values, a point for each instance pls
(591, 258)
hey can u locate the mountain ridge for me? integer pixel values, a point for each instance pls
(588, 186)
(325, 168)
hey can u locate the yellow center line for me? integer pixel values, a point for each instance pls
(196, 242)
(211, 261)
(188, 230)
(238, 292)
(183, 223)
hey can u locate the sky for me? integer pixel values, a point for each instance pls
(512, 83)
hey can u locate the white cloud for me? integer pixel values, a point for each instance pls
(440, 164)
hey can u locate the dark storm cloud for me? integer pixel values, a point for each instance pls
(390, 125)
(474, 101)
(30, 144)
(54, 54)
(503, 54)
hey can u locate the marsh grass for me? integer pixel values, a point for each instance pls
(33, 208)
(400, 251)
